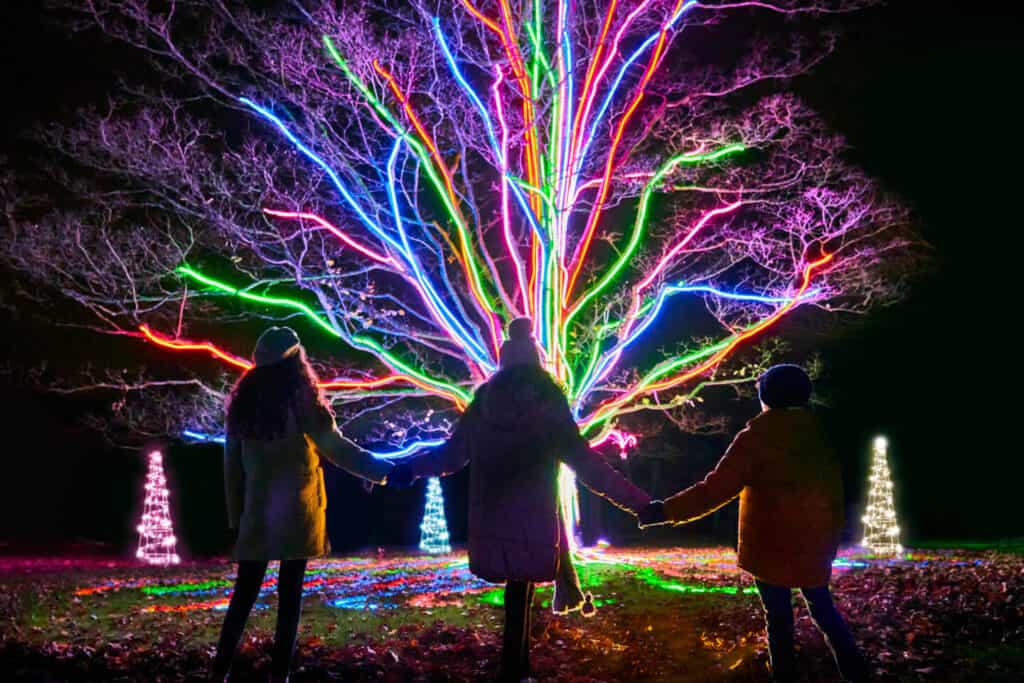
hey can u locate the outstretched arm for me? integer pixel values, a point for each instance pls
(719, 487)
(594, 471)
(318, 428)
(341, 452)
(234, 480)
(449, 457)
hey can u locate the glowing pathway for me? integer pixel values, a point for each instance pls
(438, 581)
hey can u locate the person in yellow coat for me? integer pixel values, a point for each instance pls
(791, 515)
(279, 427)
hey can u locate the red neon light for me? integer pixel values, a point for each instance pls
(337, 384)
(177, 345)
(717, 358)
(588, 232)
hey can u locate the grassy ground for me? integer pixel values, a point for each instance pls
(668, 614)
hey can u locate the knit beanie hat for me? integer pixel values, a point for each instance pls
(784, 386)
(520, 348)
(275, 345)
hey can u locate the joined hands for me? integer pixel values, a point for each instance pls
(652, 514)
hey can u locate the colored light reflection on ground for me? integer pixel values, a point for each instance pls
(426, 582)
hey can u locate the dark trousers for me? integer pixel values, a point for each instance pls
(289, 609)
(515, 649)
(778, 609)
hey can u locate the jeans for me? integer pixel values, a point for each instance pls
(289, 609)
(778, 608)
(515, 650)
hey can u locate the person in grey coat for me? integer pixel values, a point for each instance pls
(279, 426)
(515, 433)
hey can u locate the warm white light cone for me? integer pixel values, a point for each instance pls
(881, 532)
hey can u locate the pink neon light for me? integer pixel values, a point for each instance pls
(582, 120)
(506, 220)
(588, 232)
(614, 403)
(624, 440)
(686, 240)
(326, 225)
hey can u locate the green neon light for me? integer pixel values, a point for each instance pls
(266, 300)
(364, 343)
(545, 195)
(650, 577)
(367, 343)
(427, 164)
(185, 587)
(361, 86)
(641, 219)
(663, 369)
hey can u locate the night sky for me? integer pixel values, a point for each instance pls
(928, 101)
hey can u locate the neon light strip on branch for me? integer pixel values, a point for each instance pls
(649, 384)
(434, 386)
(325, 224)
(203, 437)
(175, 344)
(316, 159)
(580, 254)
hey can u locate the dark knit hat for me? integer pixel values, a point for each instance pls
(275, 345)
(784, 386)
(520, 348)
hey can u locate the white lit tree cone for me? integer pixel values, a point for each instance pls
(156, 532)
(881, 531)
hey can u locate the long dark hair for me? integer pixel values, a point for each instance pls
(260, 402)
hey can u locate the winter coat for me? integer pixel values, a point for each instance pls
(515, 433)
(275, 489)
(791, 498)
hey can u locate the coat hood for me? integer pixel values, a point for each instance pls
(792, 429)
(519, 402)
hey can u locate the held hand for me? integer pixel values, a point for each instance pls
(652, 514)
(400, 476)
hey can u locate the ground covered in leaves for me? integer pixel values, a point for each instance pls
(680, 614)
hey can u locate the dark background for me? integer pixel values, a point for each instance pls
(927, 95)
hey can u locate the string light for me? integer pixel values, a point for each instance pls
(881, 532)
(434, 527)
(156, 532)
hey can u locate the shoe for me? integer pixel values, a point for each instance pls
(588, 609)
(568, 600)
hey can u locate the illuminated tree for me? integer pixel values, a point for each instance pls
(156, 531)
(400, 179)
(434, 528)
(881, 532)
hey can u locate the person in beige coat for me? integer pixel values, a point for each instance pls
(279, 427)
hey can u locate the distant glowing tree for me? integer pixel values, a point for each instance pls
(157, 543)
(881, 532)
(400, 179)
(434, 528)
